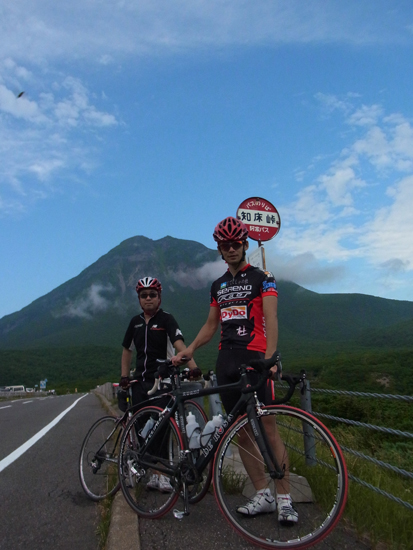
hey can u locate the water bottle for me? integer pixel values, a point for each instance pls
(147, 427)
(192, 431)
(210, 427)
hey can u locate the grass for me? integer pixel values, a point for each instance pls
(371, 513)
(102, 530)
(232, 481)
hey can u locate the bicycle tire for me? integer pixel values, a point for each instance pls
(148, 502)
(317, 478)
(98, 471)
(199, 489)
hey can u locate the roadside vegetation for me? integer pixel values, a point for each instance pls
(374, 371)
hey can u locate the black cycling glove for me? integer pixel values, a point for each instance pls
(124, 382)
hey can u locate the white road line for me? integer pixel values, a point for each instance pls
(23, 448)
(25, 402)
(6, 407)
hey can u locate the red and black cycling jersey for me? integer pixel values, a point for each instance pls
(152, 341)
(239, 299)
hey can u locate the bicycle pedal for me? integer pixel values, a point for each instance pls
(179, 515)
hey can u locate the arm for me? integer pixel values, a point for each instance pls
(269, 306)
(203, 337)
(180, 346)
(126, 362)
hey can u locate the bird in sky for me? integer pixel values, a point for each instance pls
(20, 95)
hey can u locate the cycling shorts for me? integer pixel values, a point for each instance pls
(227, 371)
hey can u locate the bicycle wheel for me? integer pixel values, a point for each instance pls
(315, 476)
(98, 470)
(198, 484)
(146, 480)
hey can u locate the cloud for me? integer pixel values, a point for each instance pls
(201, 276)
(89, 305)
(359, 206)
(387, 240)
(304, 269)
(105, 30)
(44, 134)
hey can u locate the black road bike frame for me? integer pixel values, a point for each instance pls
(247, 402)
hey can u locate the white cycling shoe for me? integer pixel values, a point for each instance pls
(262, 503)
(160, 483)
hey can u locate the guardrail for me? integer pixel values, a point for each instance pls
(306, 404)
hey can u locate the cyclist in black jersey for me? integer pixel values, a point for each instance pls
(153, 335)
(244, 301)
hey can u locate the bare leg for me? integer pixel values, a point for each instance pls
(253, 461)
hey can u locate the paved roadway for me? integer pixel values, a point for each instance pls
(42, 504)
(206, 529)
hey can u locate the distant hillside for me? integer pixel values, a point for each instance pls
(94, 308)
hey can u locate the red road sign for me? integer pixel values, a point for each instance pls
(261, 218)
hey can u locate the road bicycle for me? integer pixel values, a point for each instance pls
(98, 459)
(307, 462)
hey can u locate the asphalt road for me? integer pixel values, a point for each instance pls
(42, 504)
(206, 529)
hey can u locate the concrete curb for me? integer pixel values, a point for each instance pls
(124, 526)
(124, 523)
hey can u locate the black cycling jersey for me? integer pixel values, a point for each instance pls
(240, 301)
(152, 341)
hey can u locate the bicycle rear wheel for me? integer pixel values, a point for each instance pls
(98, 460)
(146, 479)
(314, 468)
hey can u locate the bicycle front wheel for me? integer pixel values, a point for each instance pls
(315, 476)
(147, 479)
(98, 460)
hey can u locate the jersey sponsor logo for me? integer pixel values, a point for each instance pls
(242, 331)
(235, 288)
(178, 332)
(229, 313)
(223, 285)
(233, 296)
(266, 286)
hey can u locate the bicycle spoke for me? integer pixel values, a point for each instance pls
(98, 459)
(146, 479)
(315, 476)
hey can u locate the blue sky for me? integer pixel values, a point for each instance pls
(159, 118)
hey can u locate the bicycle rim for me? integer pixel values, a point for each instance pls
(199, 488)
(315, 470)
(98, 460)
(140, 482)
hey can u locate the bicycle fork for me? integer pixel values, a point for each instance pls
(275, 471)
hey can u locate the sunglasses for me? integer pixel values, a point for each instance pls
(145, 295)
(236, 245)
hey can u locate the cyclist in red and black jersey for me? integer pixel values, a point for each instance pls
(244, 301)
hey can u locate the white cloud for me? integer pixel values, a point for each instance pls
(200, 277)
(37, 31)
(366, 115)
(387, 239)
(304, 269)
(324, 220)
(339, 183)
(19, 107)
(44, 135)
(89, 305)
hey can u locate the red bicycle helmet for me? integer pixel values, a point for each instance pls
(149, 282)
(230, 229)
